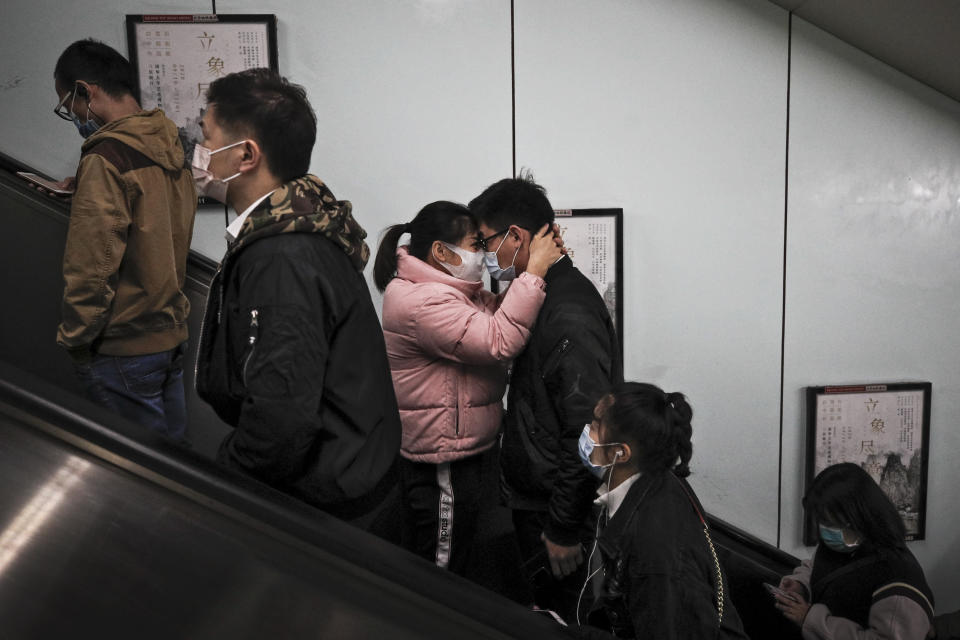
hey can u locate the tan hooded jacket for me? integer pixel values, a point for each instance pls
(131, 222)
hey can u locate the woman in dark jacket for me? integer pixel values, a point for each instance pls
(661, 575)
(862, 582)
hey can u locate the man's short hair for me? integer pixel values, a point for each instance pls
(263, 105)
(519, 201)
(95, 63)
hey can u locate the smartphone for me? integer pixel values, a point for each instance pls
(49, 185)
(777, 591)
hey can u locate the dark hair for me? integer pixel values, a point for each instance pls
(519, 201)
(95, 63)
(655, 424)
(847, 494)
(275, 112)
(441, 220)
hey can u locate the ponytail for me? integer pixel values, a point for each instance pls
(679, 415)
(656, 424)
(385, 266)
(442, 220)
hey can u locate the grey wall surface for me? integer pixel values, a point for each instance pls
(873, 281)
(845, 214)
(675, 111)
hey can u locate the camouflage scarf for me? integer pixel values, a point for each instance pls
(306, 205)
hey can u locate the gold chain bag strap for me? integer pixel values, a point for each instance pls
(713, 551)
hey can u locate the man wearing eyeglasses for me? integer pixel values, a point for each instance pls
(124, 313)
(571, 360)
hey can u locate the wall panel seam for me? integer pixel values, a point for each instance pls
(783, 291)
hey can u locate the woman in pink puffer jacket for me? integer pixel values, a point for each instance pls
(449, 342)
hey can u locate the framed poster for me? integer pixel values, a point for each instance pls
(176, 57)
(884, 428)
(594, 241)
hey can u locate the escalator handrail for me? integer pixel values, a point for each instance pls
(197, 263)
(761, 552)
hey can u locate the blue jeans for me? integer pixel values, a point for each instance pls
(147, 390)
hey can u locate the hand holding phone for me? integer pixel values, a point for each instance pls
(791, 604)
(777, 591)
(63, 188)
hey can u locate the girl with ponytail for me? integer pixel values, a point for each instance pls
(449, 342)
(662, 576)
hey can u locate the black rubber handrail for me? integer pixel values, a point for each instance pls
(761, 552)
(198, 263)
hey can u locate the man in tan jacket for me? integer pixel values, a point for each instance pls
(124, 319)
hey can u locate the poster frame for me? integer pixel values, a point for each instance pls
(173, 20)
(617, 215)
(810, 534)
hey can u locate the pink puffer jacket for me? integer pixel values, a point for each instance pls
(449, 343)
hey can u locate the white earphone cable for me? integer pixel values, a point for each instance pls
(596, 536)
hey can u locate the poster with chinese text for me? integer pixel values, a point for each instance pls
(593, 239)
(176, 57)
(883, 428)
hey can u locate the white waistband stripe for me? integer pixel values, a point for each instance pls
(444, 515)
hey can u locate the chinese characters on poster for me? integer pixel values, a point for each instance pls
(592, 239)
(177, 57)
(883, 429)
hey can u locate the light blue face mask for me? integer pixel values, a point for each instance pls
(88, 128)
(586, 445)
(833, 538)
(493, 263)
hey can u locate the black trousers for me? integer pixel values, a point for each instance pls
(561, 596)
(441, 507)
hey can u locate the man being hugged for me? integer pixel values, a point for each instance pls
(571, 361)
(291, 351)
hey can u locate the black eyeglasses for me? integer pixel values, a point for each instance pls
(483, 241)
(61, 109)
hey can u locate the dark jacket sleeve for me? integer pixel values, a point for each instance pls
(282, 369)
(658, 605)
(577, 372)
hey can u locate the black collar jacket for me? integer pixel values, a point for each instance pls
(572, 359)
(661, 579)
(292, 356)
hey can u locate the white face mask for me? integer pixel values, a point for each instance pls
(471, 263)
(209, 185)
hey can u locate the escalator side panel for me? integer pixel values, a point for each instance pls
(754, 605)
(87, 548)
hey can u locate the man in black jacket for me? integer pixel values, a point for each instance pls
(572, 359)
(291, 352)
